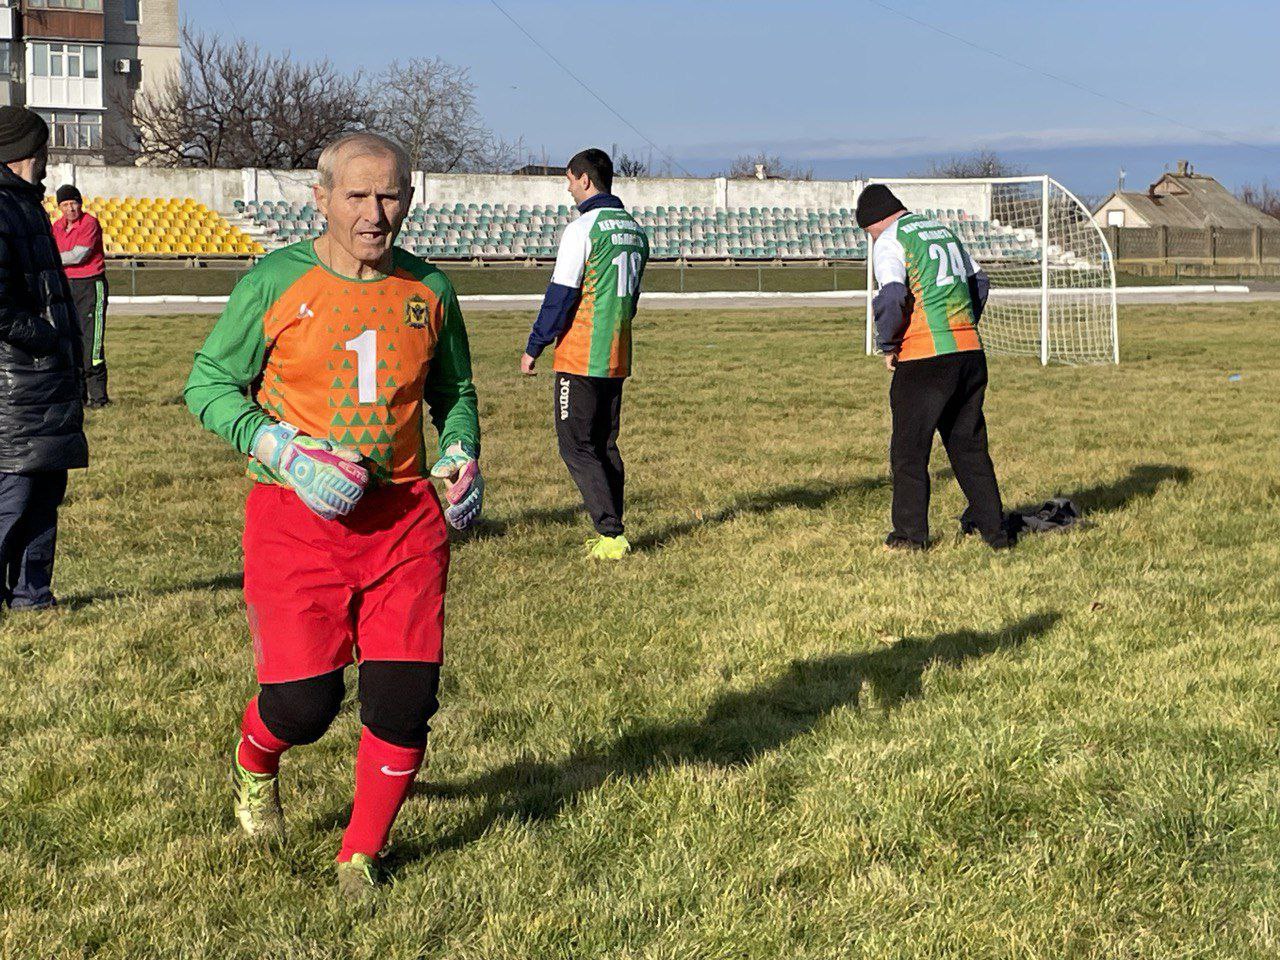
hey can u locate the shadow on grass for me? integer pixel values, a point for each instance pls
(806, 497)
(736, 729)
(499, 527)
(1142, 482)
(225, 581)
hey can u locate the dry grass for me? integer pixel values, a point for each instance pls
(761, 736)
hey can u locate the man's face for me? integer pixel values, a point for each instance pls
(365, 206)
(71, 210)
(41, 165)
(579, 187)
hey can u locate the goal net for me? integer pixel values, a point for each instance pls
(1052, 275)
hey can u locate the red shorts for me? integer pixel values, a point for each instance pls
(322, 594)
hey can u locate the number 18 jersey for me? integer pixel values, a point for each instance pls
(605, 252)
(930, 260)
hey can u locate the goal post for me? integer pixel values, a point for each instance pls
(1053, 282)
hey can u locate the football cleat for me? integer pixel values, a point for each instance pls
(256, 798)
(358, 880)
(608, 548)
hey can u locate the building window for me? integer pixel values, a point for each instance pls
(64, 75)
(94, 6)
(74, 60)
(132, 13)
(73, 131)
(1115, 218)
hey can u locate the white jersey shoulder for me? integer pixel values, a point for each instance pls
(575, 250)
(888, 257)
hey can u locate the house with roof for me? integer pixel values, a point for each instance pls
(1183, 198)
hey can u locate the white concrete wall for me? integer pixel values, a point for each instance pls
(216, 188)
(220, 188)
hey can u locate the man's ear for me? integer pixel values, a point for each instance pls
(321, 197)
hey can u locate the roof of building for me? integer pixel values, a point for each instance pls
(1190, 199)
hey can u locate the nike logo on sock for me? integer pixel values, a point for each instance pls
(398, 773)
(249, 737)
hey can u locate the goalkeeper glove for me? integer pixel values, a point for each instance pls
(327, 477)
(463, 485)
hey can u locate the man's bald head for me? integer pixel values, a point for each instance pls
(362, 144)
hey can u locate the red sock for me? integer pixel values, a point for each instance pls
(384, 774)
(260, 749)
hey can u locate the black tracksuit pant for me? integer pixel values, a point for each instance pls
(942, 394)
(588, 412)
(90, 296)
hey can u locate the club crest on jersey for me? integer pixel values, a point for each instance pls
(416, 311)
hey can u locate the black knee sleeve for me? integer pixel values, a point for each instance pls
(398, 699)
(300, 711)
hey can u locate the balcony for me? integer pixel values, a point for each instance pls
(8, 23)
(45, 24)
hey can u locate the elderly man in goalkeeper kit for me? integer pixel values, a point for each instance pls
(927, 310)
(319, 371)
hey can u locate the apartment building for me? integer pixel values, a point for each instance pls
(80, 63)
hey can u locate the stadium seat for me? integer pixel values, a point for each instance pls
(162, 226)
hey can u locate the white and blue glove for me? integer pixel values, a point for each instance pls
(463, 485)
(327, 477)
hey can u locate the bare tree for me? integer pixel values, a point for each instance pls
(234, 105)
(429, 105)
(980, 163)
(1265, 198)
(750, 166)
(628, 166)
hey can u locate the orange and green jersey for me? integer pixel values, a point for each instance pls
(594, 291)
(929, 259)
(352, 361)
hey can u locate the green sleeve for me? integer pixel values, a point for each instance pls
(219, 389)
(449, 392)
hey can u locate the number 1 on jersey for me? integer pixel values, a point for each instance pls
(365, 347)
(629, 266)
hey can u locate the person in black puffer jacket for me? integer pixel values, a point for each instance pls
(41, 373)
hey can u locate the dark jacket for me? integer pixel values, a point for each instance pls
(41, 374)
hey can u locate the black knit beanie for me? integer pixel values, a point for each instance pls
(67, 192)
(875, 203)
(22, 133)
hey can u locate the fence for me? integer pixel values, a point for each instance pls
(1196, 250)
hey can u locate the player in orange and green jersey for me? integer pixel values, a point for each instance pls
(321, 369)
(587, 313)
(927, 310)
(350, 361)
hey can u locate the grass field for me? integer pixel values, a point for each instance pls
(761, 736)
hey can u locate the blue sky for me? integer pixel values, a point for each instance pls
(847, 88)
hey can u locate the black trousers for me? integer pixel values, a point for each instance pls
(90, 296)
(28, 536)
(943, 395)
(588, 413)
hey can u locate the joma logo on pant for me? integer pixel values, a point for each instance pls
(564, 399)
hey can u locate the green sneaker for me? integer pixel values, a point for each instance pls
(608, 548)
(358, 880)
(257, 803)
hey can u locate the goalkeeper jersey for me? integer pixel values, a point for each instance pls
(925, 256)
(604, 252)
(352, 361)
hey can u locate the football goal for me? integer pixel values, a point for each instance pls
(1053, 281)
